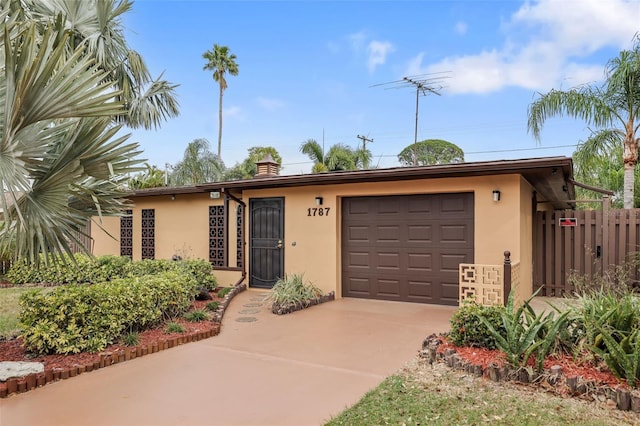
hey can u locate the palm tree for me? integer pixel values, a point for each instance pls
(152, 177)
(220, 60)
(97, 25)
(612, 108)
(199, 165)
(61, 162)
(338, 157)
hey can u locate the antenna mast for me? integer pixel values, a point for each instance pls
(424, 84)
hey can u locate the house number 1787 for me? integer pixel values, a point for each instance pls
(318, 211)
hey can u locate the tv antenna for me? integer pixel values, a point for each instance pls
(424, 84)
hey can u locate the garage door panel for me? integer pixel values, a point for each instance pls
(412, 249)
(420, 262)
(360, 287)
(388, 288)
(388, 261)
(358, 233)
(420, 233)
(359, 260)
(454, 234)
(388, 233)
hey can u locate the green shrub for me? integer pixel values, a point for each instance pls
(293, 290)
(224, 291)
(78, 269)
(196, 316)
(74, 319)
(213, 306)
(202, 272)
(467, 329)
(174, 327)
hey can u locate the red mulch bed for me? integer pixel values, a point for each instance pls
(12, 350)
(570, 367)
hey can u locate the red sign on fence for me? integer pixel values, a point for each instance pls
(568, 221)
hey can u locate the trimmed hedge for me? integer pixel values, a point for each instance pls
(84, 269)
(81, 269)
(73, 319)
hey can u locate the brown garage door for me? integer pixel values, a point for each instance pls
(406, 248)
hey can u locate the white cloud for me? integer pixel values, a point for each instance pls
(545, 42)
(378, 51)
(270, 104)
(461, 28)
(357, 40)
(233, 111)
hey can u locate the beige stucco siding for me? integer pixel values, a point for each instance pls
(181, 228)
(312, 242)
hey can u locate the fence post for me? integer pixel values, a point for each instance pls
(605, 233)
(507, 277)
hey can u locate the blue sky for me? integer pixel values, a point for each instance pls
(307, 69)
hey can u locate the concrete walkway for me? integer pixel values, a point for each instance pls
(263, 369)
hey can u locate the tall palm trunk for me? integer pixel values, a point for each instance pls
(220, 123)
(630, 158)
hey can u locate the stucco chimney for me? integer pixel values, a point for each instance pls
(267, 167)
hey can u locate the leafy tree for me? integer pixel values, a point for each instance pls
(152, 177)
(431, 152)
(199, 165)
(604, 171)
(338, 157)
(221, 61)
(96, 25)
(613, 108)
(248, 169)
(61, 161)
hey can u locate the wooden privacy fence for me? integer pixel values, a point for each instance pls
(581, 241)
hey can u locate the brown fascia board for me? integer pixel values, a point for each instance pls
(523, 167)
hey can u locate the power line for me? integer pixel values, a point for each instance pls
(364, 141)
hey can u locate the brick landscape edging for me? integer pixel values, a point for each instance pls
(558, 383)
(51, 375)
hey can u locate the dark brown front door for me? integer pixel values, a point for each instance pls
(406, 247)
(266, 224)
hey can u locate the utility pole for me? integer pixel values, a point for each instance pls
(364, 141)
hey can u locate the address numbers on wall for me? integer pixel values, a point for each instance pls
(318, 211)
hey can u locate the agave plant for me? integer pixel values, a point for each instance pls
(525, 333)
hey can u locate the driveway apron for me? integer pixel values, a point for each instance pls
(262, 369)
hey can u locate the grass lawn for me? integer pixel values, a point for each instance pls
(424, 395)
(9, 309)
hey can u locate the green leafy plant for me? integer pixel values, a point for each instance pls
(293, 290)
(524, 333)
(196, 316)
(131, 338)
(617, 280)
(467, 328)
(224, 291)
(74, 318)
(622, 357)
(174, 327)
(212, 306)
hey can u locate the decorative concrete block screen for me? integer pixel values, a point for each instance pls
(486, 283)
(483, 283)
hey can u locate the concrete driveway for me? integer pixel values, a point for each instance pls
(263, 369)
